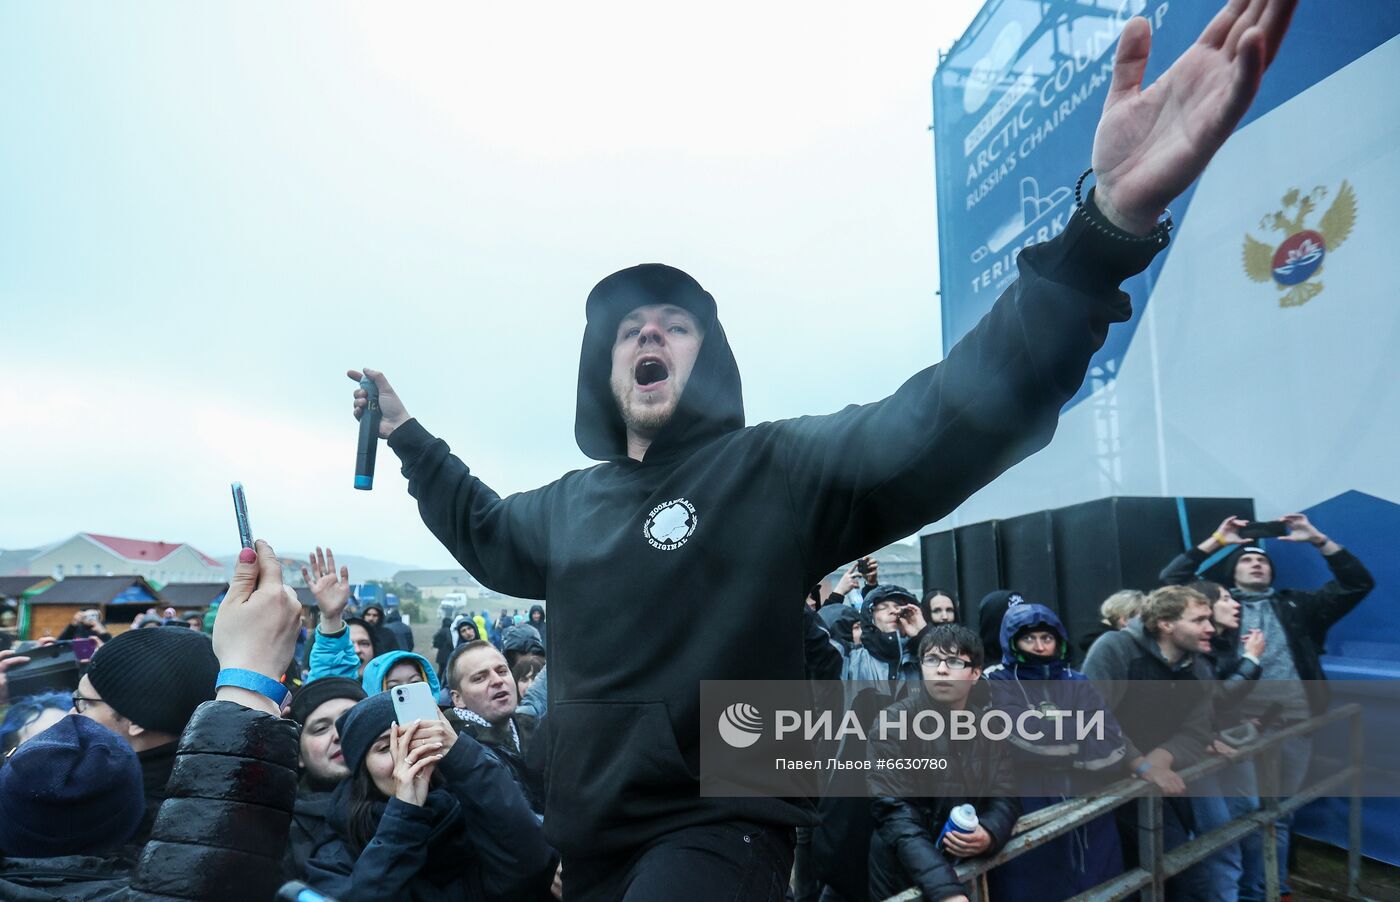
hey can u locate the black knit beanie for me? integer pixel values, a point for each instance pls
(361, 726)
(317, 692)
(74, 789)
(1234, 558)
(155, 678)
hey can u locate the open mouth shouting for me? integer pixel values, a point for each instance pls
(650, 373)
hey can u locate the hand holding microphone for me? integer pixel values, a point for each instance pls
(380, 412)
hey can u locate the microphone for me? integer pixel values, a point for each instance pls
(369, 437)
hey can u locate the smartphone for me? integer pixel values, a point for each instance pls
(83, 649)
(51, 668)
(1264, 529)
(863, 565)
(413, 701)
(240, 511)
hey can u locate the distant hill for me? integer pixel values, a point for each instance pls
(362, 569)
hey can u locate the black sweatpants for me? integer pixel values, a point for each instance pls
(727, 862)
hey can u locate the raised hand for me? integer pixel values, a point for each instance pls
(1300, 529)
(911, 620)
(332, 592)
(1152, 143)
(391, 409)
(257, 624)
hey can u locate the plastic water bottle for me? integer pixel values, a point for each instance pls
(962, 819)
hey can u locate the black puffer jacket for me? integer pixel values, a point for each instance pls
(1306, 616)
(222, 829)
(1237, 674)
(219, 834)
(66, 878)
(910, 807)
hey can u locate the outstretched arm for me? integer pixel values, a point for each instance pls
(873, 474)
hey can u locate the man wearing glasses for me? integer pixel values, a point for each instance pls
(144, 686)
(911, 806)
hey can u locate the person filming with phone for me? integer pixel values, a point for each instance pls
(1293, 624)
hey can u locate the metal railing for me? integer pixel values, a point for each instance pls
(1155, 864)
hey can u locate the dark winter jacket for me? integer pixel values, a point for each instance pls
(1054, 767)
(156, 765)
(474, 838)
(1157, 704)
(1306, 616)
(402, 632)
(1237, 674)
(511, 741)
(910, 807)
(539, 625)
(823, 660)
(71, 878)
(721, 524)
(1053, 764)
(308, 824)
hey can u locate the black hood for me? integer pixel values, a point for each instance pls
(989, 614)
(713, 401)
(884, 646)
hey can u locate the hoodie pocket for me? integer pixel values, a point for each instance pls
(615, 774)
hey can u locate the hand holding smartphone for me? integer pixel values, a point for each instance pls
(240, 512)
(1264, 529)
(414, 701)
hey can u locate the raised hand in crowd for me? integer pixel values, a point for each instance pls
(8, 659)
(871, 572)
(257, 624)
(414, 762)
(848, 581)
(1254, 643)
(332, 590)
(1227, 533)
(391, 409)
(1300, 529)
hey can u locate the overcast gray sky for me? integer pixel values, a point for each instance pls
(210, 212)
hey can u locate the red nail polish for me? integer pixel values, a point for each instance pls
(247, 556)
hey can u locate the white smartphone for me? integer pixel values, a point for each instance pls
(413, 701)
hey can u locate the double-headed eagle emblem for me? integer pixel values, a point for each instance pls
(1298, 258)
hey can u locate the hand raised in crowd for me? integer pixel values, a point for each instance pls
(392, 414)
(332, 592)
(1227, 533)
(8, 659)
(1300, 529)
(911, 620)
(413, 767)
(967, 845)
(1254, 643)
(872, 572)
(848, 581)
(256, 627)
(437, 733)
(1151, 144)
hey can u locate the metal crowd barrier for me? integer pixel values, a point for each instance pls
(1155, 864)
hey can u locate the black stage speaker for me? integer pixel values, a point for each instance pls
(1072, 558)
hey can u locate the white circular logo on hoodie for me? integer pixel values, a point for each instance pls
(670, 524)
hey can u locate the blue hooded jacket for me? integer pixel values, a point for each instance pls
(377, 670)
(1019, 684)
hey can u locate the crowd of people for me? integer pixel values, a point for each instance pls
(124, 788)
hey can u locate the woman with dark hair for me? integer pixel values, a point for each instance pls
(940, 606)
(526, 668)
(426, 814)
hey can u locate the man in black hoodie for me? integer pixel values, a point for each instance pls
(702, 521)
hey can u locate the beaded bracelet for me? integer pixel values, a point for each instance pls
(1159, 235)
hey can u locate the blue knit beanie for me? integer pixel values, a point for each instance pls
(73, 789)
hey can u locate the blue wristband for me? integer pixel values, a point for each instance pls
(1142, 769)
(248, 679)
